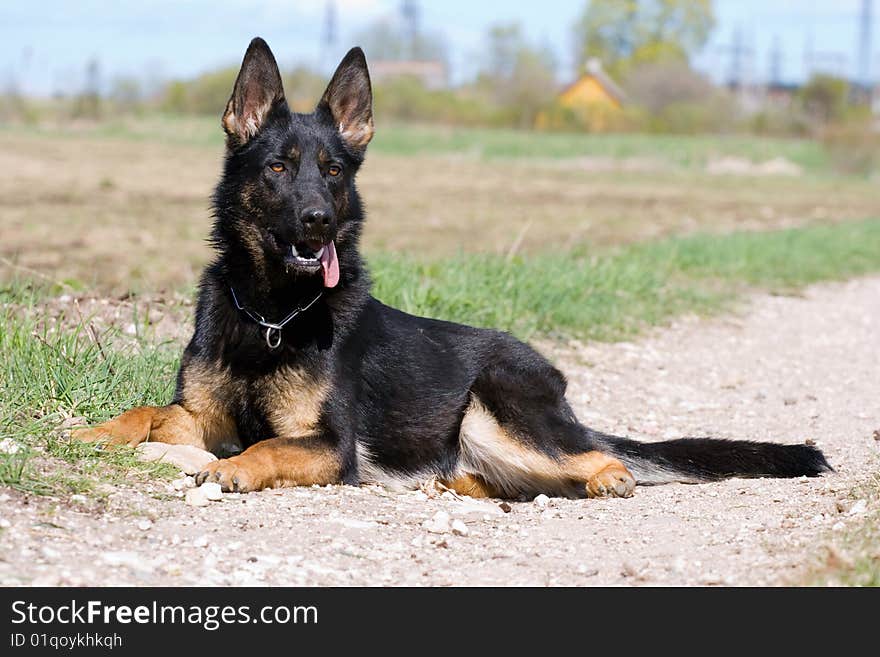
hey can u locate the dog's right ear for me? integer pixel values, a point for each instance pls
(257, 90)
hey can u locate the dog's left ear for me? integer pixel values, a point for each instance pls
(349, 100)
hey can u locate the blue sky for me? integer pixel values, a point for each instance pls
(44, 46)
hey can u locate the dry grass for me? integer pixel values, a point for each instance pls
(116, 214)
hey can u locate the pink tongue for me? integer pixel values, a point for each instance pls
(330, 264)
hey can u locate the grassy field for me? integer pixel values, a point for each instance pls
(123, 206)
(483, 143)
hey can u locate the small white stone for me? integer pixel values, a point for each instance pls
(838, 526)
(439, 524)
(541, 500)
(212, 490)
(196, 497)
(459, 528)
(5, 524)
(50, 553)
(183, 483)
(144, 525)
(79, 499)
(858, 508)
(9, 446)
(200, 542)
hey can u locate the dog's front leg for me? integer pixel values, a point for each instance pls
(174, 424)
(278, 462)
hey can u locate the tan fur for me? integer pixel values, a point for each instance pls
(207, 391)
(357, 134)
(292, 400)
(471, 485)
(510, 467)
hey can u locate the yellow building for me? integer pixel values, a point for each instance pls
(593, 101)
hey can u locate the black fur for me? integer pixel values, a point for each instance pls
(399, 385)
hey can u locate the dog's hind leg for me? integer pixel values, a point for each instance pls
(520, 437)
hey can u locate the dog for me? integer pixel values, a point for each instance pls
(298, 376)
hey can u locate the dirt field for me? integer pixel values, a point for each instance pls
(787, 369)
(116, 214)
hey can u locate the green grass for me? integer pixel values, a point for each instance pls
(685, 151)
(609, 297)
(51, 372)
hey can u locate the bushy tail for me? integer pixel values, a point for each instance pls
(693, 460)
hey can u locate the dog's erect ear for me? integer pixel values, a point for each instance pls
(349, 100)
(257, 89)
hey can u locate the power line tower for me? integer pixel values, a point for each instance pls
(409, 11)
(775, 73)
(865, 45)
(328, 38)
(327, 45)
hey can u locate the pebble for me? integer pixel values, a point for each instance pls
(196, 497)
(212, 491)
(126, 558)
(9, 446)
(541, 500)
(200, 542)
(183, 483)
(438, 524)
(858, 508)
(144, 525)
(838, 526)
(459, 528)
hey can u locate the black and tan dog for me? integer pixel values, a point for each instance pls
(293, 362)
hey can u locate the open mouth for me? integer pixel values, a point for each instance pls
(312, 256)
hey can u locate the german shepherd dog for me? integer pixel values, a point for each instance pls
(299, 376)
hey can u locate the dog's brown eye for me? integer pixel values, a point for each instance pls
(277, 167)
(334, 170)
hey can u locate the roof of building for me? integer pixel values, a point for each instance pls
(593, 69)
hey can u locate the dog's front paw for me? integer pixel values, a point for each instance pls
(233, 475)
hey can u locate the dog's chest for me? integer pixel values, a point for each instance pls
(287, 403)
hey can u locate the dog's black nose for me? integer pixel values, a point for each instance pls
(315, 218)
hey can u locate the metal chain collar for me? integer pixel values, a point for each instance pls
(273, 330)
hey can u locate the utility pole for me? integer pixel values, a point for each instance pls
(775, 77)
(409, 11)
(865, 48)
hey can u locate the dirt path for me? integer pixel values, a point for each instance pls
(787, 369)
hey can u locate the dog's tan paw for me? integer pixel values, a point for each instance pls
(612, 481)
(232, 475)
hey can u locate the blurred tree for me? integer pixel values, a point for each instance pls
(519, 77)
(824, 98)
(126, 93)
(622, 33)
(656, 86)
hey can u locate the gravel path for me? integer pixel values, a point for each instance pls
(787, 369)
